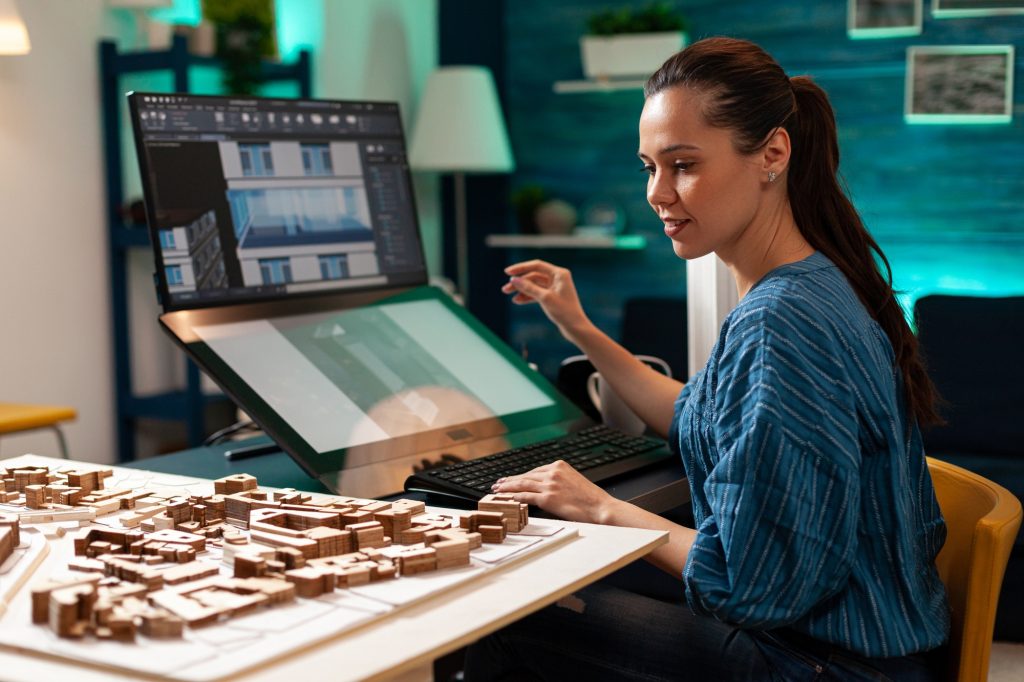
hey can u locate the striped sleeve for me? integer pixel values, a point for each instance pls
(677, 411)
(784, 495)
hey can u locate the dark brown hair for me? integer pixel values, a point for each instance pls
(748, 93)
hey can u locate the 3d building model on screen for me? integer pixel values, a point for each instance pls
(299, 210)
(193, 258)
(115, 554)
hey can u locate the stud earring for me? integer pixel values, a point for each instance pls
(771, 176)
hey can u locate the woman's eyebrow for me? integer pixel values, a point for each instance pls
(671, 148)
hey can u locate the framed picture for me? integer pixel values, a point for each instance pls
(959, 84)
(883, 18)
(953, 9)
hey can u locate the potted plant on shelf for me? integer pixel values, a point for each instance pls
(245, 35)
(631, 42)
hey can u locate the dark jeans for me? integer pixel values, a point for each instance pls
(607, 633)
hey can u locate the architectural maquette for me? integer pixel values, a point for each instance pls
(215, 577)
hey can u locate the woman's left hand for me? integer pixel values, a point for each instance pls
(561, 490)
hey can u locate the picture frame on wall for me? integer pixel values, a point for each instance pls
(883, 18)
(959, 84)
(955, 9)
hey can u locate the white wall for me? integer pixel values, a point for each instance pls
(55, 344)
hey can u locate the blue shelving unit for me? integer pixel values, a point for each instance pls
(187, 405)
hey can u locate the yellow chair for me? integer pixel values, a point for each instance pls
(16, 417)
(982, 520)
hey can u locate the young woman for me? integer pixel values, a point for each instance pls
(816, 525)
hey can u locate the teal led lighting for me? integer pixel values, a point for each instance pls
(188, 12)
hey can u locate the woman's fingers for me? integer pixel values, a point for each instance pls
(527, 288)
(529, 265)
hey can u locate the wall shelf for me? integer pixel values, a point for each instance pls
(571, 87)
(625, 242)
(187, 405)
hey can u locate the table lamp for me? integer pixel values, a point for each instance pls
(459, 130)
(13, 34)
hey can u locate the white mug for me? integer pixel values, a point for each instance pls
(614, 412)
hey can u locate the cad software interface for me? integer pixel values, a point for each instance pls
(374, 373)
(257, 197)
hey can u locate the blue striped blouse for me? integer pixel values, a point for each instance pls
(812, 499)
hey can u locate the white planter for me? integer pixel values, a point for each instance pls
(634, 54)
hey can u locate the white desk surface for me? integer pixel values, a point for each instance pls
(414, 636)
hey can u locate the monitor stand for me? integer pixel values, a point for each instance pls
(247, 451)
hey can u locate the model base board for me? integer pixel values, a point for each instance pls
(194, 580)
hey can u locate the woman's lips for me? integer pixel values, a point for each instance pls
(674, 227)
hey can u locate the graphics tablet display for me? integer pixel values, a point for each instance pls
(407, 374)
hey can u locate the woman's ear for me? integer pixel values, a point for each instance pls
(777, 151)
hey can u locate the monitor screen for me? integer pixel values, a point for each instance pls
(257, 198)
(375, 373)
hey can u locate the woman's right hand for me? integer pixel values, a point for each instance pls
(537, 281)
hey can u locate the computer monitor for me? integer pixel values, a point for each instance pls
(252, 199)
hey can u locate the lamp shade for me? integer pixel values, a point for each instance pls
(13, 34)
(460, 127)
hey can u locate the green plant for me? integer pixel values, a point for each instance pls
(525, 200)
(653, 18)
(245, 35)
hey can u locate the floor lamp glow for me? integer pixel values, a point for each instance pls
(459, 130)
(13, 34)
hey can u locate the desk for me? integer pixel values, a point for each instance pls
(413, 636)
(16, 417)
(658, 489)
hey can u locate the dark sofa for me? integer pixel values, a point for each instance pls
(974, 349)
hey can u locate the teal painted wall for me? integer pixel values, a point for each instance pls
(945, 202)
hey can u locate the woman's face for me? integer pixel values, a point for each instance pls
(704, 191)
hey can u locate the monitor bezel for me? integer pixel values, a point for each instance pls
(164, 296)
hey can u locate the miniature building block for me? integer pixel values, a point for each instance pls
(120, 540)
(515, 514)
(417, 561)
(451, 553)
(139, 515)
(193, 570)
(160, 623)
(232, 536)
(311, 581)
(368, 534)
(249, 566)
(86, 480)
(414, 507)
(355, 516)
(84, 565)
(291, 558)
(238, 506)
(492, 534)
(331, 541)
(185, 608)
(53, 515)
(230, 552)
(133, 572)
(394, 521)
(306, 546)
(35, 496)
(102, 507)
(41, 595)
(11, 523)
(70, 609)
(196, 542)
(237, 483)
(353, 575)
(25, 476)
(275, 590)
